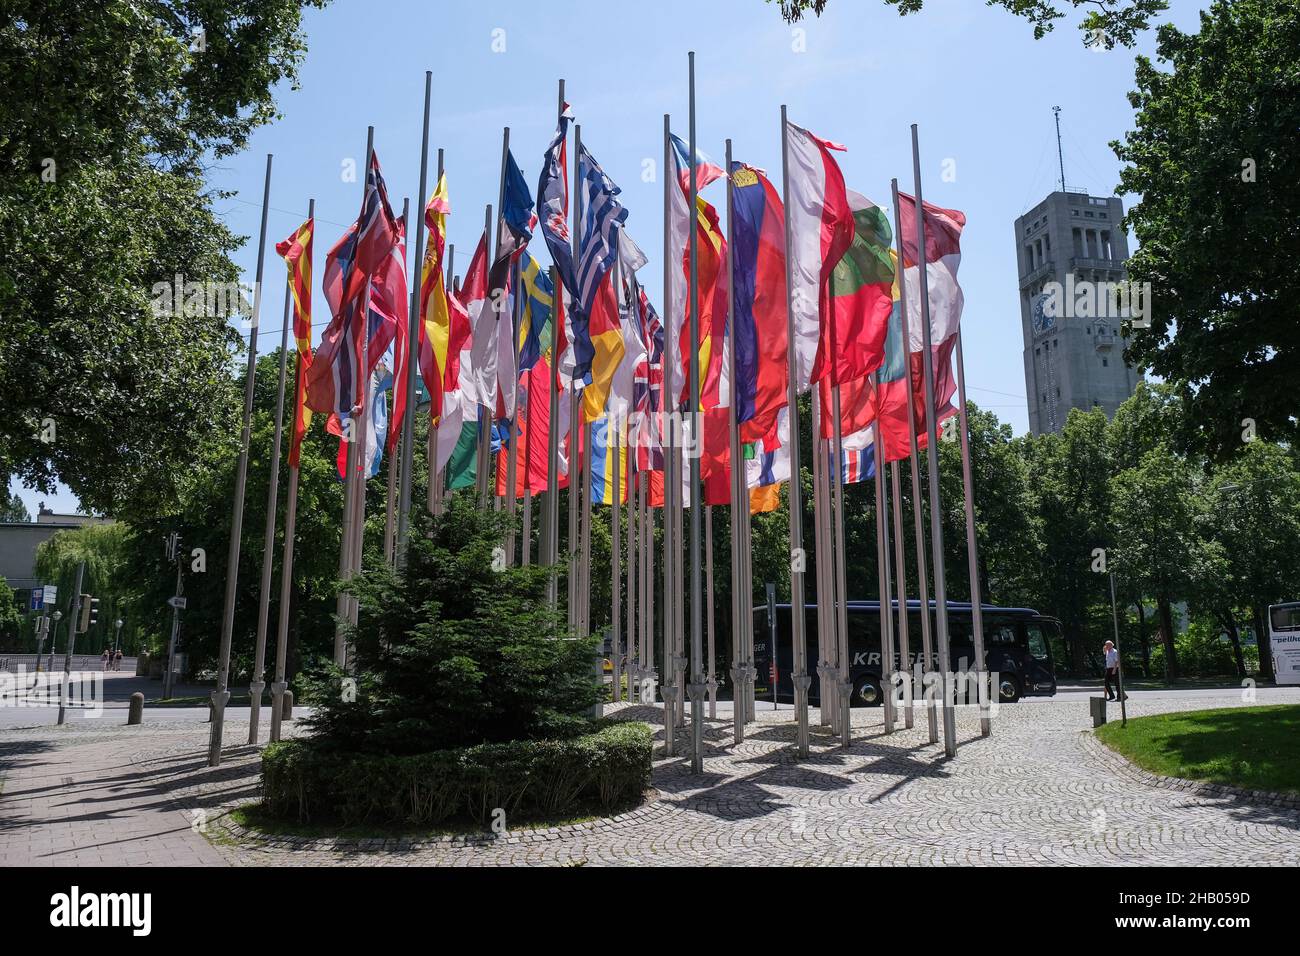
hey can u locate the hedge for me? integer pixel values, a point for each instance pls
(601, 770)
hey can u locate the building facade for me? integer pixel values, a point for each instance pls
(1071, 250)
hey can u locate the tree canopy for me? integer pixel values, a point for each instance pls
(1107, 23)
(1213, 160)
(111, 108)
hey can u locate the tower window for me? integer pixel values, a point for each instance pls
(1105, 363)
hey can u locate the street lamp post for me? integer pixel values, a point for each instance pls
(117, 638)
(1119, 656)
(54, 638)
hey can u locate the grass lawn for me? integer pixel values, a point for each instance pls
(1255, 748)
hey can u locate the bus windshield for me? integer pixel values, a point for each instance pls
(1285, 617)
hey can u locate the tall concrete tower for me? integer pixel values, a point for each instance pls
(1072, 245)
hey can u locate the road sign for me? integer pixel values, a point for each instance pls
(38, 599)
(51, 594)
(177, 602)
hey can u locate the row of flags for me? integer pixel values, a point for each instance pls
(844, 297)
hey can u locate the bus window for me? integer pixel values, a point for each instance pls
(999, 635)
(1037, 641)
(1285, 617)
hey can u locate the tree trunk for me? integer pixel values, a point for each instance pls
(1145, 638)
(1230, 625)
(1260, 614)
(1167, 638)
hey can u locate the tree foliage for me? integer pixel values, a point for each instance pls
(1213, 159)
(110, 109)
(452, 652)
(1107, 23)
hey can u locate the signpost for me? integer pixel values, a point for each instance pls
(38, 600)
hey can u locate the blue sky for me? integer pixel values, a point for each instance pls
(973, 77)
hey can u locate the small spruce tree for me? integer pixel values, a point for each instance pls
(455, 650)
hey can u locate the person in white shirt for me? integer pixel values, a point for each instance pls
(1112, 669)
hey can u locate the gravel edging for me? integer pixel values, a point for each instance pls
(1118, 763)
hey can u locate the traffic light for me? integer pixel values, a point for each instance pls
(94, 611)
(83, 619)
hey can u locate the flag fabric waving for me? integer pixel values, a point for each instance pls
(597, 337)
(758, 268)
(535, 313)
(943, 229)
(553, 200)
(821, 231)
(296, 252)
(852, 342)
(444, 324)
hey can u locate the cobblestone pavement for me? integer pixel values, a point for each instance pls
(1039, 791)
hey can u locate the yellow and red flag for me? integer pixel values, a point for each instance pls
(296, 252)
(444, 324)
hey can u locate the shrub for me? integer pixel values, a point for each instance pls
(604, 769)
(452, 653)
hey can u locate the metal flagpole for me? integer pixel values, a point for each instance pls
(630, 640)
(672, 488)
(616, 558)
(279, 685)
(972, 547)
(414, 320)
(932, 454)
(512, 422)
(841, 667)
(697, 686)
(221, 695)
(747, 606)
(647, 593)
(918, 520)
(257, 684)
(577, 440)
(738, 673)
(900, 589)
(800, 676)
(552, 524)
(712, 682)
(883, 571)
(483, 461)
(821, 553)
(588, 429)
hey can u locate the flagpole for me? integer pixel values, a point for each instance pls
(927, 646)
(549, 551)
(932, 454)
(583, 593)
(220, 696)
(668, 431)
(512, 422)
(433, 493)
(883, 570)
(822, 552)
(712, 682)
(800, 677)
(839, 666)
(257, 685)
(613, 422)
(738, 661)
(630, 636)
(576, 437)
(972, 546)
(900, 577)
(414, 320)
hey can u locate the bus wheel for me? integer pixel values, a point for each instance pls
(1008, 689)
(867, 692)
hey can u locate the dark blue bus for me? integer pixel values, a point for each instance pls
(1017, 647)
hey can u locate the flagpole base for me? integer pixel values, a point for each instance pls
(696, 690)
(826, 712)
(670, 719)
(802, 681)
(219, 699)
(277, 708)
(712, 685)
(846, 724)
(255, 689)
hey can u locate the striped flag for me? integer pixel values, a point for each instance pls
(296, 252)
(553, 203)
(444, 323)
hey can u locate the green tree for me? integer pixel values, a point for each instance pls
(453, 653)
(1213, 158)
(110, 110)
(103, 550)
(1154, 512)
(1108, 22)
(13, 509)
(1253, 514)
(1071, 472)
(11, 615)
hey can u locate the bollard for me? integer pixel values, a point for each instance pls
(135, 714)
(1098, 707)
(286, 712)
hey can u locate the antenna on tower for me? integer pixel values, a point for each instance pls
(1060, 157)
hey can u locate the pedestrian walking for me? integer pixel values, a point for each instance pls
(117, 660)
(105, 658)
(1112, 670)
